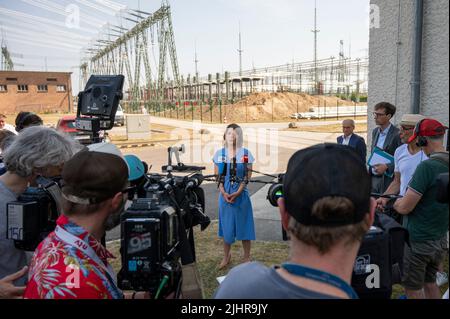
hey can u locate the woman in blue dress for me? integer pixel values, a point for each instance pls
(233, 165)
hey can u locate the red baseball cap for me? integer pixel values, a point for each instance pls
(428, 127)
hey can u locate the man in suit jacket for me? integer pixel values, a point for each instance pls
(386, 137)
(352, 140)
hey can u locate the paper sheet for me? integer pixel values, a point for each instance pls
(378, 159)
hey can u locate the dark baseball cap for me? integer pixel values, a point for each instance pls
(92, 177)
(428, 127)
(326, 170)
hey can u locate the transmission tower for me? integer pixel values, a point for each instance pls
(6, 64)
(315, 31)
(129, 51)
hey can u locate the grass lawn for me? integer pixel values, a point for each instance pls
(209, 255)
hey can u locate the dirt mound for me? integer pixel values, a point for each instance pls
(260, 106)
(257, 107)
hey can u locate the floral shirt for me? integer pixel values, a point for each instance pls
(61, 271)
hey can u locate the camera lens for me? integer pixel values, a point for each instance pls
(275, 192)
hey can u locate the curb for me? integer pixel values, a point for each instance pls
(135, 145)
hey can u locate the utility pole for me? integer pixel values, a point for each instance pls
(240, 51)
(332, 75)
(315, 31)
(196, 62)
(358, 80)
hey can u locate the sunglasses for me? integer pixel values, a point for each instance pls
(406, 128)
(130, 190)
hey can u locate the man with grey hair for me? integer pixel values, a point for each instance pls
(36, 151)
(353, 140)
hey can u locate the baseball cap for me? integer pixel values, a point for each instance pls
(428, 127)
(411, 119)
(92, 177)
(135, 167)
(326, 170)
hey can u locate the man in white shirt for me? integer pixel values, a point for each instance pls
(407, 157)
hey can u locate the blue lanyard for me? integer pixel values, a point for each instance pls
(321, 276)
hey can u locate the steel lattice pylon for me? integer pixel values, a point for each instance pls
(6, 62)
(130, 51)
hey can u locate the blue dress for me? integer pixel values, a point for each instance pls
(236, 219)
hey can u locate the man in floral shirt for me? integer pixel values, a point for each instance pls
(71, 262)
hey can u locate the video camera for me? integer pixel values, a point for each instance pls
(276, 191)
(98, 103)
(156, 231)
(33, 216)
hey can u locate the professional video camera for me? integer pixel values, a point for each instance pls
(156, 231)
(276, 191)
(98, 103)
(33, 216)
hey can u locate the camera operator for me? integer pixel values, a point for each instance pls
(326, 210)
(425, 219)
(406, 158)
(95, 190)
(35, 151)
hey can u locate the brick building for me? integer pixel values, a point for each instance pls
(37, 92)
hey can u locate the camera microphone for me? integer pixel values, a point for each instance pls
(194, 181)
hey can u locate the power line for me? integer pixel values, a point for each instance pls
(25, 25)
(26, 16)
(61, 11)
(56, 39)
(96, 7)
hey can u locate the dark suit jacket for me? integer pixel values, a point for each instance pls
(358, 143)
(391, 143)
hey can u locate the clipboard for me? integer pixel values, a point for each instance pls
(380, 157)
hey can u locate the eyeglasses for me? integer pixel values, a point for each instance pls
(375, 114)
(406, 128)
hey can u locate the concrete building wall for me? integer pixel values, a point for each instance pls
(391, 58)
(13, 101)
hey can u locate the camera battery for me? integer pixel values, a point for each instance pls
(141, 244)
(22, 221)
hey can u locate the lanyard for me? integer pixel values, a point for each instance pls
(81, 245)
(321, 276)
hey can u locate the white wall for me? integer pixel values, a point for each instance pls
(391, 64)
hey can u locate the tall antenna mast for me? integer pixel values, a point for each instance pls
(196, 61)
(240, 50)
(315, 31)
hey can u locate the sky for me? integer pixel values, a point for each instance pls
(274, 32)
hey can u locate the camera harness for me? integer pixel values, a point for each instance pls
(231, 167)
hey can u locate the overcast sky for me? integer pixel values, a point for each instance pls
(274, 32)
